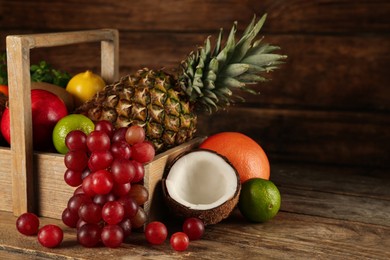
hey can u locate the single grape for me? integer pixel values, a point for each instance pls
(143, 152)
(139, 193)
(50, 236)
(75, 202)
(139, 219)
(121, 149)
(27, 224)
(106, 127)
(102, 182)
(125, 224)
(156, 233)
(76, 160)
(139, 172)
(121, 189)
(88, 235)
(80, 223)
(73, 178)
(135, 134)
(194, 228)
(113, 212)
(129, 205)
(70, 218)
(112, 236)
(87, 186)
(123, 171)
(101, 199)
(179, 241)
(85, 173)
(78, 190)
(98, 141)
(90, 213)
(100, 160)
(76, 140)
(119, 135)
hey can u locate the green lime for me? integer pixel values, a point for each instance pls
(259, 200)
(67, 124)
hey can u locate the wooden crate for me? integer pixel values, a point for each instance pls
(33, 181)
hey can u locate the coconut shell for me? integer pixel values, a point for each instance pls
(209, 216)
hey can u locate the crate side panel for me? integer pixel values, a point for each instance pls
(5, 180)
(52, 191)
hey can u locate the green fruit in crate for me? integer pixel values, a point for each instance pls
(207, 80)
(68, 124)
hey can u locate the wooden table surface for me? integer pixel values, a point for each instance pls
(326, 213)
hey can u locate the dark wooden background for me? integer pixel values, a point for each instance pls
(329, 103)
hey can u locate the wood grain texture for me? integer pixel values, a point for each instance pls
(366, 182)
(285, 16)
(307, 227)
(5, 180)
(19, 82)
(337, 66)
(347, 78)
(310, 136)
(51, 193)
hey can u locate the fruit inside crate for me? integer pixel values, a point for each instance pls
(34, 181)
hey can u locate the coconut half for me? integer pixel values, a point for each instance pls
(202, 184)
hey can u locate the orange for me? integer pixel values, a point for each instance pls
(4, 89)
(243, 152)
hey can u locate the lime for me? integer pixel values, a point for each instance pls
(67, 124)
(259, 200)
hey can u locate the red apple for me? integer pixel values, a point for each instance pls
(47, 109)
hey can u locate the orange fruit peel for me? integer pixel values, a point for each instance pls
(246, 155)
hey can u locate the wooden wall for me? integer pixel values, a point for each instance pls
(329, 103)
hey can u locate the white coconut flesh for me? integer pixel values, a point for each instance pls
(201, 180)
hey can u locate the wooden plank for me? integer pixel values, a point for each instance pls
(9, 255)
(290, 234)
(302, 236)
(349, 193)
(284, 16)
(287, 235)
(19, 82)
(365, 182)
(5, 180)
(344, 77)
(18, 65)
(324, 204)
(309, 136)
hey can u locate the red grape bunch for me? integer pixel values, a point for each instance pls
(107, 167)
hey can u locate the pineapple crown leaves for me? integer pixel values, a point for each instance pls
(210, 78)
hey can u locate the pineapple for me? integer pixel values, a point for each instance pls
(166, 105)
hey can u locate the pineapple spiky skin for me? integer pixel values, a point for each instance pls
(148, 99)
(207, 80)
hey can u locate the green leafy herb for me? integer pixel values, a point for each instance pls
(41, 72)
(3, 69)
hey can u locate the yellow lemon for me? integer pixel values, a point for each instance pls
(84, 86)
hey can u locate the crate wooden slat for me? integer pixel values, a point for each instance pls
(18, 61)
(52, 194)
(5, 179)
